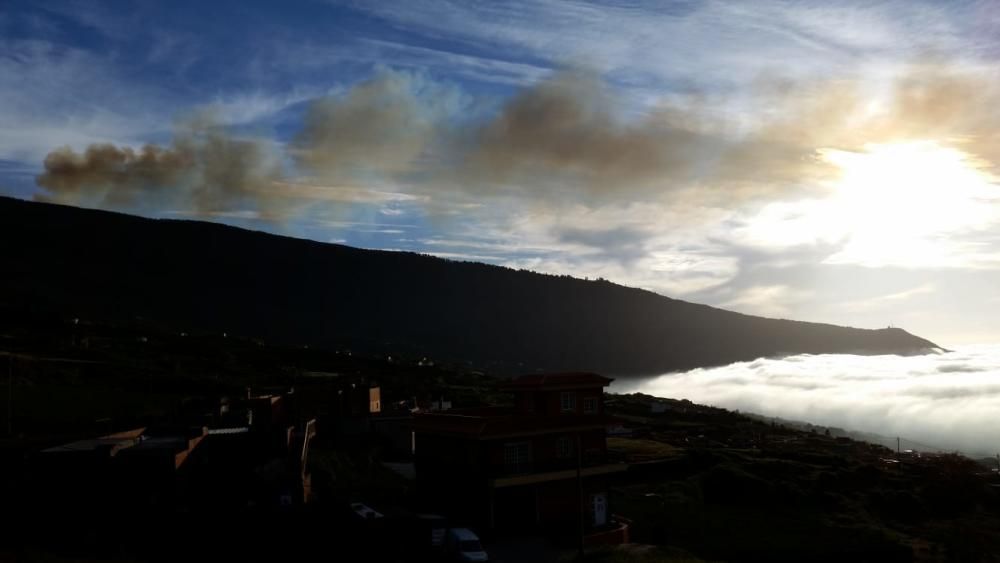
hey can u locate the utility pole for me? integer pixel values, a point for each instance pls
(579, 487)
(10, 394)
(897, 447)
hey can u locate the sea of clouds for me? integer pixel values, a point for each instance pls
(950, 400)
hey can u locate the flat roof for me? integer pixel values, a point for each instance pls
(500, 426)
(91, 444)
(159, 444)
(224, 431)
(558, 380)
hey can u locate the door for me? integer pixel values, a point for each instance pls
(599, 509)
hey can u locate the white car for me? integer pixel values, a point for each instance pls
(365, 512)
(462, 544)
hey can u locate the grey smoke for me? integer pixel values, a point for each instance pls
(203, 167)
(568, 137)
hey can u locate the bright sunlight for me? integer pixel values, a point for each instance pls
(890, 204)
(897, 200)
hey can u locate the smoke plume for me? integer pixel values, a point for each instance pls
(569, 137)
(203, 168)
(571, 130)
(377, 130)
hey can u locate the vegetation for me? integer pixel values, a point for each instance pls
(736, 488)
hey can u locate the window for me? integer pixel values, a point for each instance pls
(517, 457)
(567, 401)
(527, 402)
(470, 546)
(590, 405)
(565, 447)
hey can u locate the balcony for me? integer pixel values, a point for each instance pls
(521, 466)
(542, 473)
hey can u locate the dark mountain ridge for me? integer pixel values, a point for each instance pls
(197, 276)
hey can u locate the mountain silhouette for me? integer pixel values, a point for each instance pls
(198, 276)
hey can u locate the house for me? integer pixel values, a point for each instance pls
(130, 470)
(536, 465)
(357, 399)
(168, 467)
(347, 407)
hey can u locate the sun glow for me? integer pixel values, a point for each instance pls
(903, 204)
(899, 202)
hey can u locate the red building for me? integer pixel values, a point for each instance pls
(535, 465)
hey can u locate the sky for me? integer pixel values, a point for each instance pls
(821, 161)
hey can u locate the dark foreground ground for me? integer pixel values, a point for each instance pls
(703, 484)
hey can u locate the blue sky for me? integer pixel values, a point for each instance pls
(813, 160)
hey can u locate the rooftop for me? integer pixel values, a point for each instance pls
(558, 381)
(502, 423)
(224, 431)
(160, 444)
(111, 444)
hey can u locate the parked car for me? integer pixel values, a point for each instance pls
(365, 512)
(462, 544)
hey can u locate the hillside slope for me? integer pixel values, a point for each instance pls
(196, 276)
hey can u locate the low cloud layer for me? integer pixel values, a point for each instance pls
(947, 400)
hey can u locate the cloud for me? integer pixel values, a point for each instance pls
(623, 244)
(666, 44)
(947, 400)
(892, 299)
(577, 240)
(770, 300)
(57, 95)
(311, 189)
(479, 68)
(251, 107)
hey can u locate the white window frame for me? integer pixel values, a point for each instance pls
(517, 457)
(565, 446)
(567, 401)
(590, 405)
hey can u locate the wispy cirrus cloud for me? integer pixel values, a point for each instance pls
(769, 300)
(57, 95)
(892, 299)
(695, 42)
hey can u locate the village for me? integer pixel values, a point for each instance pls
(394, 459)
(465, 473)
